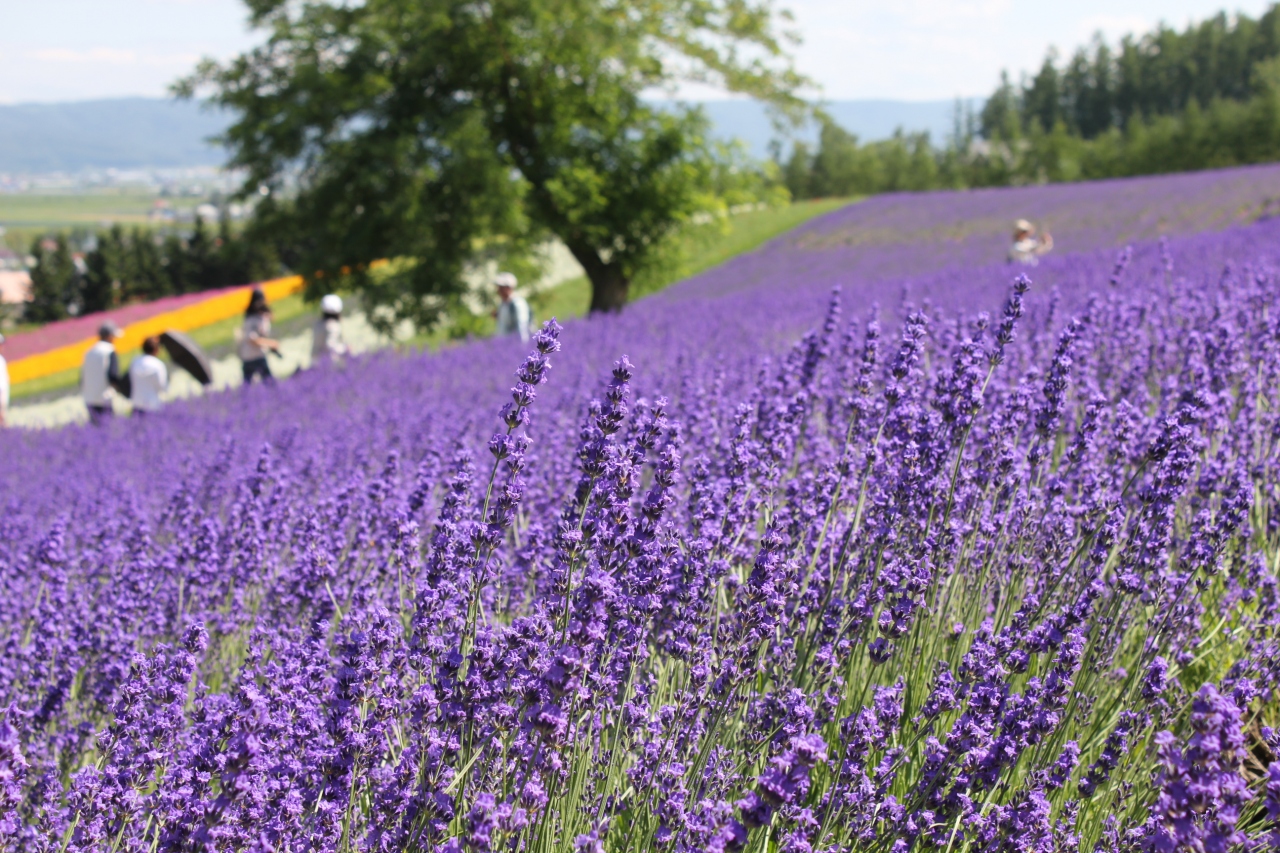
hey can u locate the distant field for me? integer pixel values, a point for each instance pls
(701, 248)
(26, 216)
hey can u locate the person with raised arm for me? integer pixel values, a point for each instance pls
(255, 342)
(1028, 245)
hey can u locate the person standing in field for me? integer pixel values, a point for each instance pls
(326, 337)
(148, 379)
(1028, 246)
(513, 314)
(4, 387)
(254, 341)
(100, 374)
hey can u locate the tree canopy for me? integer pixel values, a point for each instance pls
(441, 132)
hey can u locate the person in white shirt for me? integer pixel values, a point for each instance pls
(513, 314)
(4, 388)
(148, 379)
(1027, 245)
(326, 337)
(100, 373)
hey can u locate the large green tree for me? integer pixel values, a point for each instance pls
(440, 132)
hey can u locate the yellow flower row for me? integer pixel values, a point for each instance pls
(211, 310)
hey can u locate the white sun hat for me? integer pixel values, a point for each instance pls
(331, 304)
(505, 279)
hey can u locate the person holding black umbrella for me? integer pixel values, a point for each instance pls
(254, 341)
(148, 379)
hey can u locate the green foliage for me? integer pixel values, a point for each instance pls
(1165, 102)
(55, 281)
(138, 266)
(452, 133)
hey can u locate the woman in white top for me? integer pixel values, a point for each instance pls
(254, 341)
(148, 379)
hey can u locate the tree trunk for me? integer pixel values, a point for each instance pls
(609, 287)
(609, 290)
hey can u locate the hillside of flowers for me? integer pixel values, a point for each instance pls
(818, 555)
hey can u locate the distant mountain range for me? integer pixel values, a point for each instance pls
(868, 119)
(120, 133)
(130, 133)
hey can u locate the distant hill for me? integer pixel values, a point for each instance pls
(869, 120)
(120, 133)
(127, 133)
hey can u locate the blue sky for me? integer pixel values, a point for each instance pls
(60, 50)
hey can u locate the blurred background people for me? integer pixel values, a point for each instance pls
(326, 337)
(148, 379)
(1028, 246)
(255, 342)
(513, 313)
(4, 387)
(100, 374)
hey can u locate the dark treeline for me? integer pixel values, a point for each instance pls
(137, 266)
(1166, 101)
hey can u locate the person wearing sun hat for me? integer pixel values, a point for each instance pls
(100, 374)
(1028, 246)
(513, 314)
(4, 387)
(326, 336)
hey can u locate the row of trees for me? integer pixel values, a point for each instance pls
(1161, 73)
(139, 265)
(1163, 102)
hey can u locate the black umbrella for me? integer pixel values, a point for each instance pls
(187, 354)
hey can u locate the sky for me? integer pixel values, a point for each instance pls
(66, 50)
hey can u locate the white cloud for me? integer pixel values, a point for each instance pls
(1112, 27)
(96, 55)
(933, 12)
(898, 49)
(111, 56)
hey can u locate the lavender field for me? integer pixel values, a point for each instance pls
(860, 542)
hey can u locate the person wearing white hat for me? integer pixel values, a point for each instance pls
(4, 388)
(513, 314)
(326, 337)
(1028, 246)
(100, 374)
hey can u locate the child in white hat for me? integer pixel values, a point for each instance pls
(326, 338)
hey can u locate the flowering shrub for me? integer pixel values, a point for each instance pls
(920, 578)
